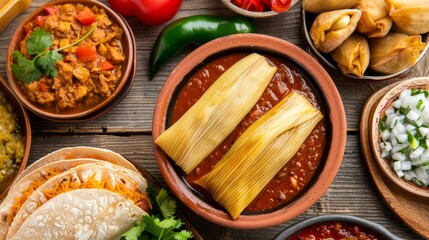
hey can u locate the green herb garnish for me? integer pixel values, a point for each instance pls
(38, 43)
(161, 224)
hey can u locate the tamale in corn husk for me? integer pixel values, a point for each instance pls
(410, 16)
(375, 20)
(353, 55)
(395, 52)
(330, 29)
(217, 113)
(260, 152)
(319, 6)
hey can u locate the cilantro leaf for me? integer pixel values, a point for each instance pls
(25, 69)
(134, 232)
(47, 62)
(166, 204)
(39, 41)
(157, 225)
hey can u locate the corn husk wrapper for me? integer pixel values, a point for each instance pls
(375, 20)
(410, 16)
(395, 52)
(319, 6)
(353, 55)
(217, 113)
(260, 152)
(330, 29)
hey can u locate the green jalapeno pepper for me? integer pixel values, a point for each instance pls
(198, 30)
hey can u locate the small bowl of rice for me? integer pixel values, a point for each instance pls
(400, 135)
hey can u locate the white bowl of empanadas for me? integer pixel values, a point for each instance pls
(367, 39)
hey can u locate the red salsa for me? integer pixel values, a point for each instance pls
(297, 173)
(335, 231)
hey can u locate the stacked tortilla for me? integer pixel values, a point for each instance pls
(74, 193)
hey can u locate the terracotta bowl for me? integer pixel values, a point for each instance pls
(128, 47)
(375, 139)
(334, 119)
(329, 63)
(25, 128)
(369, 226)
(253, 14)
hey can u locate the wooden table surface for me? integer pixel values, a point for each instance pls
(127, 128)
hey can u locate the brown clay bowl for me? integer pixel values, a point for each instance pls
(128, 47)
(375, 139)
(25, 128)
(327, 61)
(253, 14)
(334, 117)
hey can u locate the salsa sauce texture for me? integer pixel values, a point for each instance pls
(298, 172)
(335, 231)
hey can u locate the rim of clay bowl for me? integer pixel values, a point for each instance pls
(128, 51)
(253, 14)
(24, 122)
(331, 63)
(309, 222)
(336, 123)
(382, 105)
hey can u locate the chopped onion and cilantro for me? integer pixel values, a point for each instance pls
(404, 132)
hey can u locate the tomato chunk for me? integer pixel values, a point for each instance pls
(86, 16)
(52, 10)
(106, 66)
(39, 20)
(86, 53)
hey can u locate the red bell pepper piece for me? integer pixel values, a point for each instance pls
(39, 20)
(86, 53)
(106, 66)
(86, 16)
(280, 5)
(52, 10)
(42, 87)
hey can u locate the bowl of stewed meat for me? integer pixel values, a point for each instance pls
(249, 131)
(69, 59)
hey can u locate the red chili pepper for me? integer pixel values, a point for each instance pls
(52, 10)
(86, 16)
(39, 20)
(150, 12)
(86, 53)
(106, 66)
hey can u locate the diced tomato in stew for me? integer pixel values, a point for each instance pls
(86, 53)
(106, 66)
(52, 10)
(86, 16)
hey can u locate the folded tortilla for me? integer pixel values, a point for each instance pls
(77, 152)
(100, 175)
(81, 214)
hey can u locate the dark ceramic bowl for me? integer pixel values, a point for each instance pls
(253, 14)
(25, 128)
(375, 228)
(329, 63)
(316, 77)
(128, 45)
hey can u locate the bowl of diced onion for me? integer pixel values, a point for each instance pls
(400, 135)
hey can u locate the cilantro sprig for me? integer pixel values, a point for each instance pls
(38, 43)
(162, 223)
